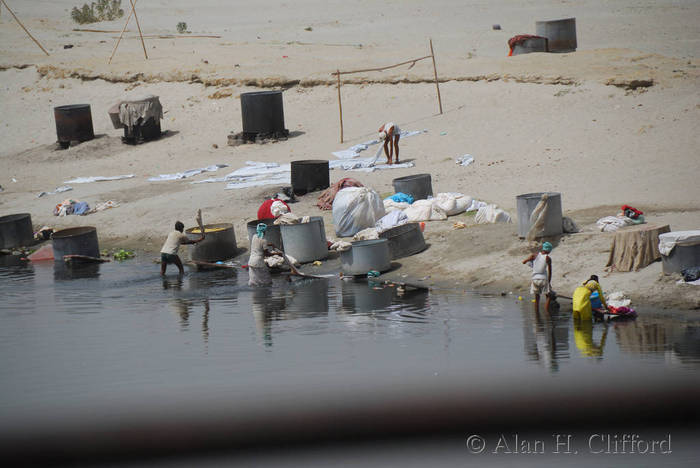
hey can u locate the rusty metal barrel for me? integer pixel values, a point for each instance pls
(262, 112)
(16, 230)
(80, 240)
(309, 175)
(73, 123)
(219, 243)
(560, 34)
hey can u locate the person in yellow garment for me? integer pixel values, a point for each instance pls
(582, 299)
(583, 337)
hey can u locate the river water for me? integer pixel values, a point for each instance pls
(118, 334)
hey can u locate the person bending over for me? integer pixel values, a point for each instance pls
(168, 254)
(390, 132)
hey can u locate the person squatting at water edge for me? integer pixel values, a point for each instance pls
(386, 132)
(584, 302)
(168, 254)
(258, 272)
(541, 275)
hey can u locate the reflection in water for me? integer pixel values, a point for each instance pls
(546, 337)
(62, 272)
(644, 336)
(583, 337)
(267, 308)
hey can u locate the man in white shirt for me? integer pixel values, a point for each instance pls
(168, 254)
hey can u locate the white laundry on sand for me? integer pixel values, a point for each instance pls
(62, 188)
(186, 174)
(86, 180)
(354, 151)
(465, 160)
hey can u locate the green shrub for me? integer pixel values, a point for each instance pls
(181, 27)
(102, 10)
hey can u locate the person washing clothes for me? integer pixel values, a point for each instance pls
(168, 254)
(582, 304)
(258, 272)
(541, 275)
(388, 132)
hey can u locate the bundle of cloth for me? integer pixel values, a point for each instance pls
(628, 216)
(71, 207)
(325, 201)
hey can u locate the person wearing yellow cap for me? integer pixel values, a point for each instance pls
(583, 310)
(541, 275)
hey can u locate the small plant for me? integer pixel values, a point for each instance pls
(181, 27)
(102, 10)
(121, 255)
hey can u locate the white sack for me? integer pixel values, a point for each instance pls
(491, 214)
(356, 208)
(453, 203)
(391, 205)
(425, 210)
(390, 220)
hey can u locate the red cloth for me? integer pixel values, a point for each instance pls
(325, 201)
(264, 210)
(635, 211)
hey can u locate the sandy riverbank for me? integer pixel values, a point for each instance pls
(614, 123)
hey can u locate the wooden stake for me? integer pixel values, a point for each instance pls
(340, 107)
(122, 33)
(432, 54)
(25, 29)
(133, 7)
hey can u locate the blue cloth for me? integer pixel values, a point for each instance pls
(80, 208)
(595, 300)
(401, 197)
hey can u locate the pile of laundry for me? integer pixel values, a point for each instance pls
(80, 208)
(71, 207)
(628, 216)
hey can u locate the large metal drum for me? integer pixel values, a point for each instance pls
(305, 242)
(262, 112)
(16, 230)
(685, 253)
(404, 240)
(309, 176)
(273, 233)
(75, 241)
(419, 186)
(526, 204)
(73, 123)
(218, 245)
(365, 256)
(560, 34)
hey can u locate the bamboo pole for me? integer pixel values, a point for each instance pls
(122, 34)
(340, 107)
(25, 29)
(381, 68)
(133, 7)
(432, 54)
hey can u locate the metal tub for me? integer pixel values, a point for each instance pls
(560, 34)
(217, 246)
(404, 240)
(75, 241)
(305, 242)
(16, 230)
(419, 186)
(309, 176)
(366, 255)
(526, 204)
(73, 123)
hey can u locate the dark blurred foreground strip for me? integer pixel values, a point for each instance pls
(344, 416)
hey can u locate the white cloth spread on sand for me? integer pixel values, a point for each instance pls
(86, 180)
(465, 160)
(186, 174)
(354, 151)
(62, 188)
(131, 110)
